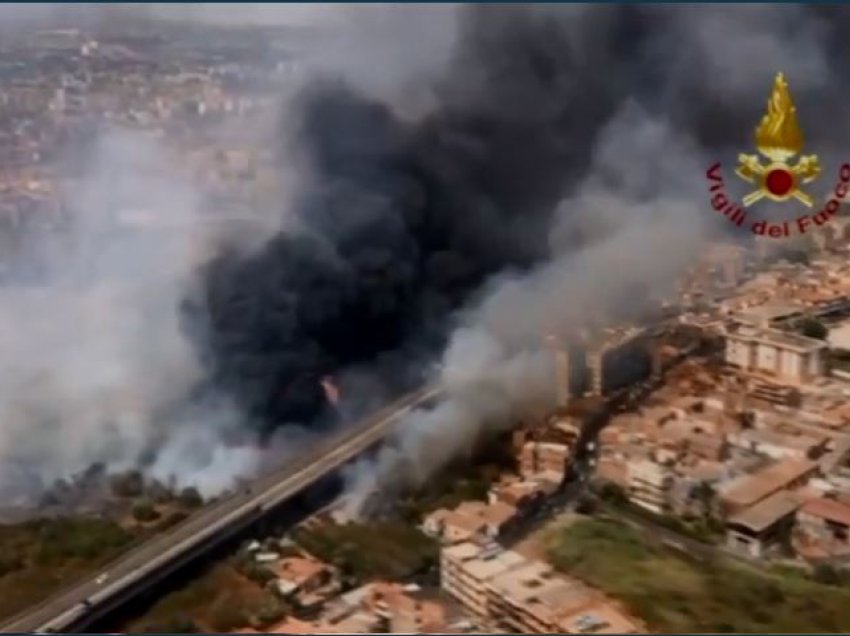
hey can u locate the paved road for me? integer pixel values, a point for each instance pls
(68, 607)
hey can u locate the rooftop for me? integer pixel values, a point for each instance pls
(298, 570)
(465, 522)
(751, 489)
(777, 338)
(462, 551)
(766, 512)
(599, 618)
(515, 492)
(473, 516)
(292, 625)
(485, 569)
(792, 440)
(770, 311)
(498, 513)
(539, 590)
(828, 509)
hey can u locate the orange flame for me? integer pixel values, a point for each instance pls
(331, 390)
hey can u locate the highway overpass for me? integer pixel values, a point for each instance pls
(76, 607)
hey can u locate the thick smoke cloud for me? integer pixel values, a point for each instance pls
(403, 221)
(96, 366)
(558, 169)
(466, 179)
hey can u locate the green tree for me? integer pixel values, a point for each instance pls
(10, 563)
(613, 493)
(190, 498)
(144, 512)
(272, 613)
(812, 328)
(175, 625)
(227, 616)
(129, 484)
(159, 492)
(826, 574)
(705, 495)
(586, 506)
(257, 573)
(172, 520)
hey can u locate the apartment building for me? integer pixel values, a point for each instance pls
(790, 444)
(754, 530)
(534, 599)
(749, 490)
(466, 568)
(776, 353)
(306, 581)
(508, 592)
(523, 494)
(771, 315)
(822, 530)
(649, 484)
(543, 457)
(470, 520)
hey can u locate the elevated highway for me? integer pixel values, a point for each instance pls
(77, 606)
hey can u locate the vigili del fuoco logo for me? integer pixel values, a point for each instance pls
(776, 175)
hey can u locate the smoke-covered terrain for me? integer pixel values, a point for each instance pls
(466, 178)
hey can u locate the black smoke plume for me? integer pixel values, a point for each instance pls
(402, 222)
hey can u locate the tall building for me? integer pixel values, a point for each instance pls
(507, 592)
(542, 457)
(649, 484)
(776, 353)
(595, 368)
(465, 570)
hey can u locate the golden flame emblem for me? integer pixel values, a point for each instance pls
(779, 138)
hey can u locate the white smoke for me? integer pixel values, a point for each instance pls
(641, 213)
(641, 201)
(95, 357)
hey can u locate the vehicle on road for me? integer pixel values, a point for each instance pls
(100, 580)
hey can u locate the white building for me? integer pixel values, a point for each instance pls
(839, 336)
(505, 591)
(777, 353)
(649, 484)
(770, 314)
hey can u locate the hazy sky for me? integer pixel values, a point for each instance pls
(235, 13)
(250, 12)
